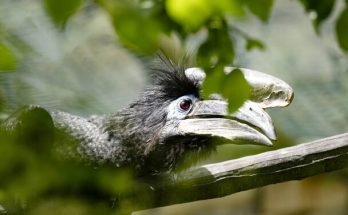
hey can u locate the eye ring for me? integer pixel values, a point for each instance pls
(185, 104)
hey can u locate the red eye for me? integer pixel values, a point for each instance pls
(185, 104)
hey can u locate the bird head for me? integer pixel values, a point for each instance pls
(170, 119)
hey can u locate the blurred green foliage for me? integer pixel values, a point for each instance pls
(342, 29)
(34, 180)
(254, 44)
(61, 11)
(137, 27)
(261, 9)
(141, 25)
(7, 59)
(322, 10)
(217, 50)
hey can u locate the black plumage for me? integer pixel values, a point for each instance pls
(132, 136)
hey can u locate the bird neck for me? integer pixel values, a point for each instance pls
(138, 130)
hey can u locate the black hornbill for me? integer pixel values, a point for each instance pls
(169, 120)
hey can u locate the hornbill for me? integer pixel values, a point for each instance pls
(168, 120)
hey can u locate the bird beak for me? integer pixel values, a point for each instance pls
(250, 124)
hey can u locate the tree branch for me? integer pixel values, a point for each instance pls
(225, 178)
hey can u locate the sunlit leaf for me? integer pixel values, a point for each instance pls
(342, 30)
(7, 59)
(254, 44)
(321, 10)
(260, 8)
(232, 87)
(193, 14)
(61, 10)
(189, 13)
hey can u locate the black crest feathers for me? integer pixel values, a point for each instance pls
(170, 79)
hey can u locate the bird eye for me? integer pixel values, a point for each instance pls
(185, 104)
(179, 108)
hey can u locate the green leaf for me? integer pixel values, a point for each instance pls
(254, 44)
(212, 83)
(322, 10)
(189, 13)
(7, 59)
(231, 7)
(136, 28)
(61, 10)
(193, 14)
(218, 49)
(236, 89)
(260, 8)
(232, 86)
(342, 30)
